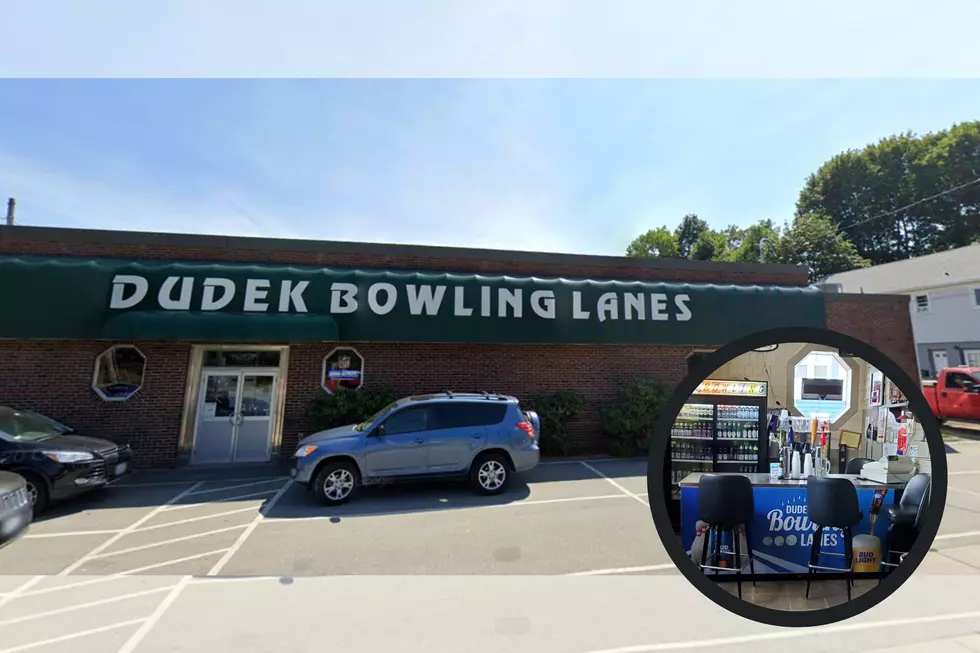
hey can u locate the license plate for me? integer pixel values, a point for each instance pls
(120, 469)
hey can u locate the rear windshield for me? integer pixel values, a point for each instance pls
(25, 425)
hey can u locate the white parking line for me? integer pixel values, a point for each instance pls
(265, 481)
(958, 489)
(194, 519)
(80, 606)
(153, 545)
(20, 590)
(206, 480)
(216, 569)
(122, 574)
(225, 500)
(409, 511)
(968, 472)
(615, 484)
(118, 536)
(622, 570)
(67, 638)
(38, 536)
(952, 536)
(148, 624)
(788, 633)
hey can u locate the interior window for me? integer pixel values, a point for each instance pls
(410, 420)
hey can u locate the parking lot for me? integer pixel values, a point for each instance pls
(562, 518)
(231, 560)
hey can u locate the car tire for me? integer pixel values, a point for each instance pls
(38, 490)
(490, 474)
(336, 483)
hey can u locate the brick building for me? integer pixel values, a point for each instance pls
(144, 337)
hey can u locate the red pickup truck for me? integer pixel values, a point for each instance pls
(955, 394)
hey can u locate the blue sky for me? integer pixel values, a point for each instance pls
(561, 165)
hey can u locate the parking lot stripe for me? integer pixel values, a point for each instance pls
(958, 489)
(118, 536)
(143, 529)
(20, 590)
(622, 570)
(952, 536)
(218, 566)
(265, 481)
(968, 472)
(167, 563)
(69, 637)
(789, 633)
(144, 547)
(148, 624)
(81, 606)
(615, 484)
(225, 500)
(410, 511)
(206, 480)
(36, 536)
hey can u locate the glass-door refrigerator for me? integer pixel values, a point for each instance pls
(721, 429)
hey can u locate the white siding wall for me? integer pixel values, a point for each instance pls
(952, 316)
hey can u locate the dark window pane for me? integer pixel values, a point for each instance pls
(241, 358)
(410, 420)
(461, 415)
(119, 372)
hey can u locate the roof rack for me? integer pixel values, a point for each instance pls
(449, 393)
(485, 393)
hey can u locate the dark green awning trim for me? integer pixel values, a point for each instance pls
(165, 325)
(86, 299)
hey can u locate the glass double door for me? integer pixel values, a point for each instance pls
(235, 416)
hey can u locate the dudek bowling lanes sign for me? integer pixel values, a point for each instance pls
(77, 298)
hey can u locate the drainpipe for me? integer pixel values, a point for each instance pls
(11, 205)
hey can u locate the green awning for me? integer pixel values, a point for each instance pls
(166, 325)
(74, 298)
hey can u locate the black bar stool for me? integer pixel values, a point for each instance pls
(832, 503)
(905, 517)
(725, 503)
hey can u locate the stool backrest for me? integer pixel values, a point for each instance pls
(725, 500)
(854, 465)
(916, 495)
(832, 502)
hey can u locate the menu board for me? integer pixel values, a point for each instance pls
(732, 388)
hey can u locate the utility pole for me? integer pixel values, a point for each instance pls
(11, 205)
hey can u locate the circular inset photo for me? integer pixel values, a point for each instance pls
(797, 477)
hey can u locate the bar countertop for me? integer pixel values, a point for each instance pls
(764, 480)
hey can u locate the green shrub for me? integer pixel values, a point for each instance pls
(345, 407)
(629, 422)
(555, 411)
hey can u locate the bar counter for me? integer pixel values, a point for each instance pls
(781, 533)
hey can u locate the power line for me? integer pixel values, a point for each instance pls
(908, 206)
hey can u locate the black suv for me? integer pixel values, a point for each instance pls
(56, 462)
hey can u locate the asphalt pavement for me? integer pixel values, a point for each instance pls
(249, 562)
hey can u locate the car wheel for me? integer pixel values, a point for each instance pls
(336, 483)
(37, 490)
(490, 474)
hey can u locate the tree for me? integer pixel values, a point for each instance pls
(689, 234)
(655, 243)
(875, 195)
(815, 241)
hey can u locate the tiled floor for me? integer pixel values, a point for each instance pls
(790, 596)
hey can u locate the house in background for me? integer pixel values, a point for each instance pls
(944, 301)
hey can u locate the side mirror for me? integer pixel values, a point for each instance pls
(379, 431)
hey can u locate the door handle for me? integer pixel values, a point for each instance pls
(419, 440)
(943, 395)
(476, 436)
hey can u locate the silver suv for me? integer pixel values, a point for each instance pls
(483, 437)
